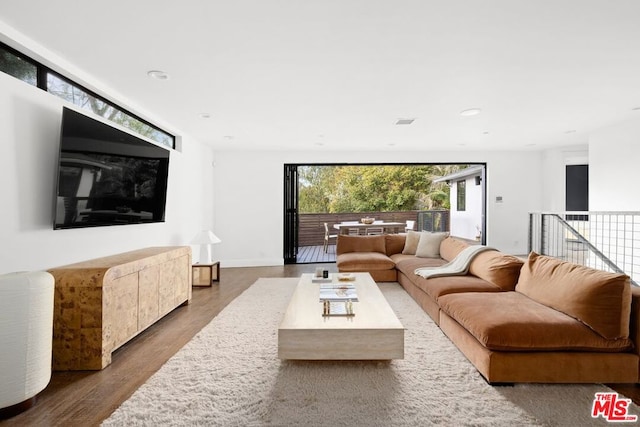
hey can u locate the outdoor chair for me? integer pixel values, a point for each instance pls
(375, 231)
(328, 236)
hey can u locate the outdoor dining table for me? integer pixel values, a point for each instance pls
(388, 227)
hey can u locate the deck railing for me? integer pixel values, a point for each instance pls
(608, 241)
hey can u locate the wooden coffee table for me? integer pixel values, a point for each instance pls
(374, 333)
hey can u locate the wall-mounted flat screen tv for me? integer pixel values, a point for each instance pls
(107, 176)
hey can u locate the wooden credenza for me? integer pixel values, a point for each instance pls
(102, 303)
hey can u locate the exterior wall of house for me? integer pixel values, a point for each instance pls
(30, 127)
(466, 223)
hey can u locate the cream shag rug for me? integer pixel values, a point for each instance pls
(230, 375)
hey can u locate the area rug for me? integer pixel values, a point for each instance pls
(229, 375)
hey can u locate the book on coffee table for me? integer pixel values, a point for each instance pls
(338, 292)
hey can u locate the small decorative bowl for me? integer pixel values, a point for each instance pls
(367, 220)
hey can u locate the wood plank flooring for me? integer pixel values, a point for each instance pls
(311, 254)
(86, 398)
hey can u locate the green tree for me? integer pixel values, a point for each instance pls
(334, 189)
(315, 187)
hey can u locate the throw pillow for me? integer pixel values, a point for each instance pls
(411, 243)
(429, 244)
(599, 299)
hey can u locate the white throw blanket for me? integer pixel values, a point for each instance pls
(456, 267)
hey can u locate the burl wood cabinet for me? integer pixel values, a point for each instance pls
(101, 304)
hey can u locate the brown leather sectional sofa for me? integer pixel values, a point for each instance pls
(539, 320)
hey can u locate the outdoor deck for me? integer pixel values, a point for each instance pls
(312, 254)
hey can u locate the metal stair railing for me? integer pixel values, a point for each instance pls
(608, 241)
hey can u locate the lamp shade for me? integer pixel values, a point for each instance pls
(205, 239)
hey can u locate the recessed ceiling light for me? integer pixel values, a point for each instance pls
(205, 115)
(570, 131)
(635, 109)
(404, 121)
(158, 75)
(391, 144)
(470, 112)
(486, 132)
(229, 137)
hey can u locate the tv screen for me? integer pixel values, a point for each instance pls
(107, 176)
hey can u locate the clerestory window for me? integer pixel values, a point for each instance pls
(26, 69)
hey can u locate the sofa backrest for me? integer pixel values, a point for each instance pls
(599, 299)
(346, 244)
(451, 247)
(394, 243)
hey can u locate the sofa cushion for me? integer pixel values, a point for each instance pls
(429, 244)
(411, 242)
(498, 268)
(394, 243)
(451, 247)
(364, 261)
(437, 286)
(599, 299)
(408, 263)
(510, 321)
(346, 244)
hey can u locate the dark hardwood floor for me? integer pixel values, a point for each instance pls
(86, 398)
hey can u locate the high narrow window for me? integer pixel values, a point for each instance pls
(462, 195)
(17, 66)
(65, 89)
(30, 71)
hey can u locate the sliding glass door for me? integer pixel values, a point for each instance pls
(290, 213)
(435, 197)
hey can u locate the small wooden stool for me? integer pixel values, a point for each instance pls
(203, 274)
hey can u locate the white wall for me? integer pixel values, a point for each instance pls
(241, 198)
(553, 174)
(614, 161)
(249, 196)
(29, 134)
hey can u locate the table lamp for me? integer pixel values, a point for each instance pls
(205, 239)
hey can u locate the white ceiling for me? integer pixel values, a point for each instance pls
(337, 74)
